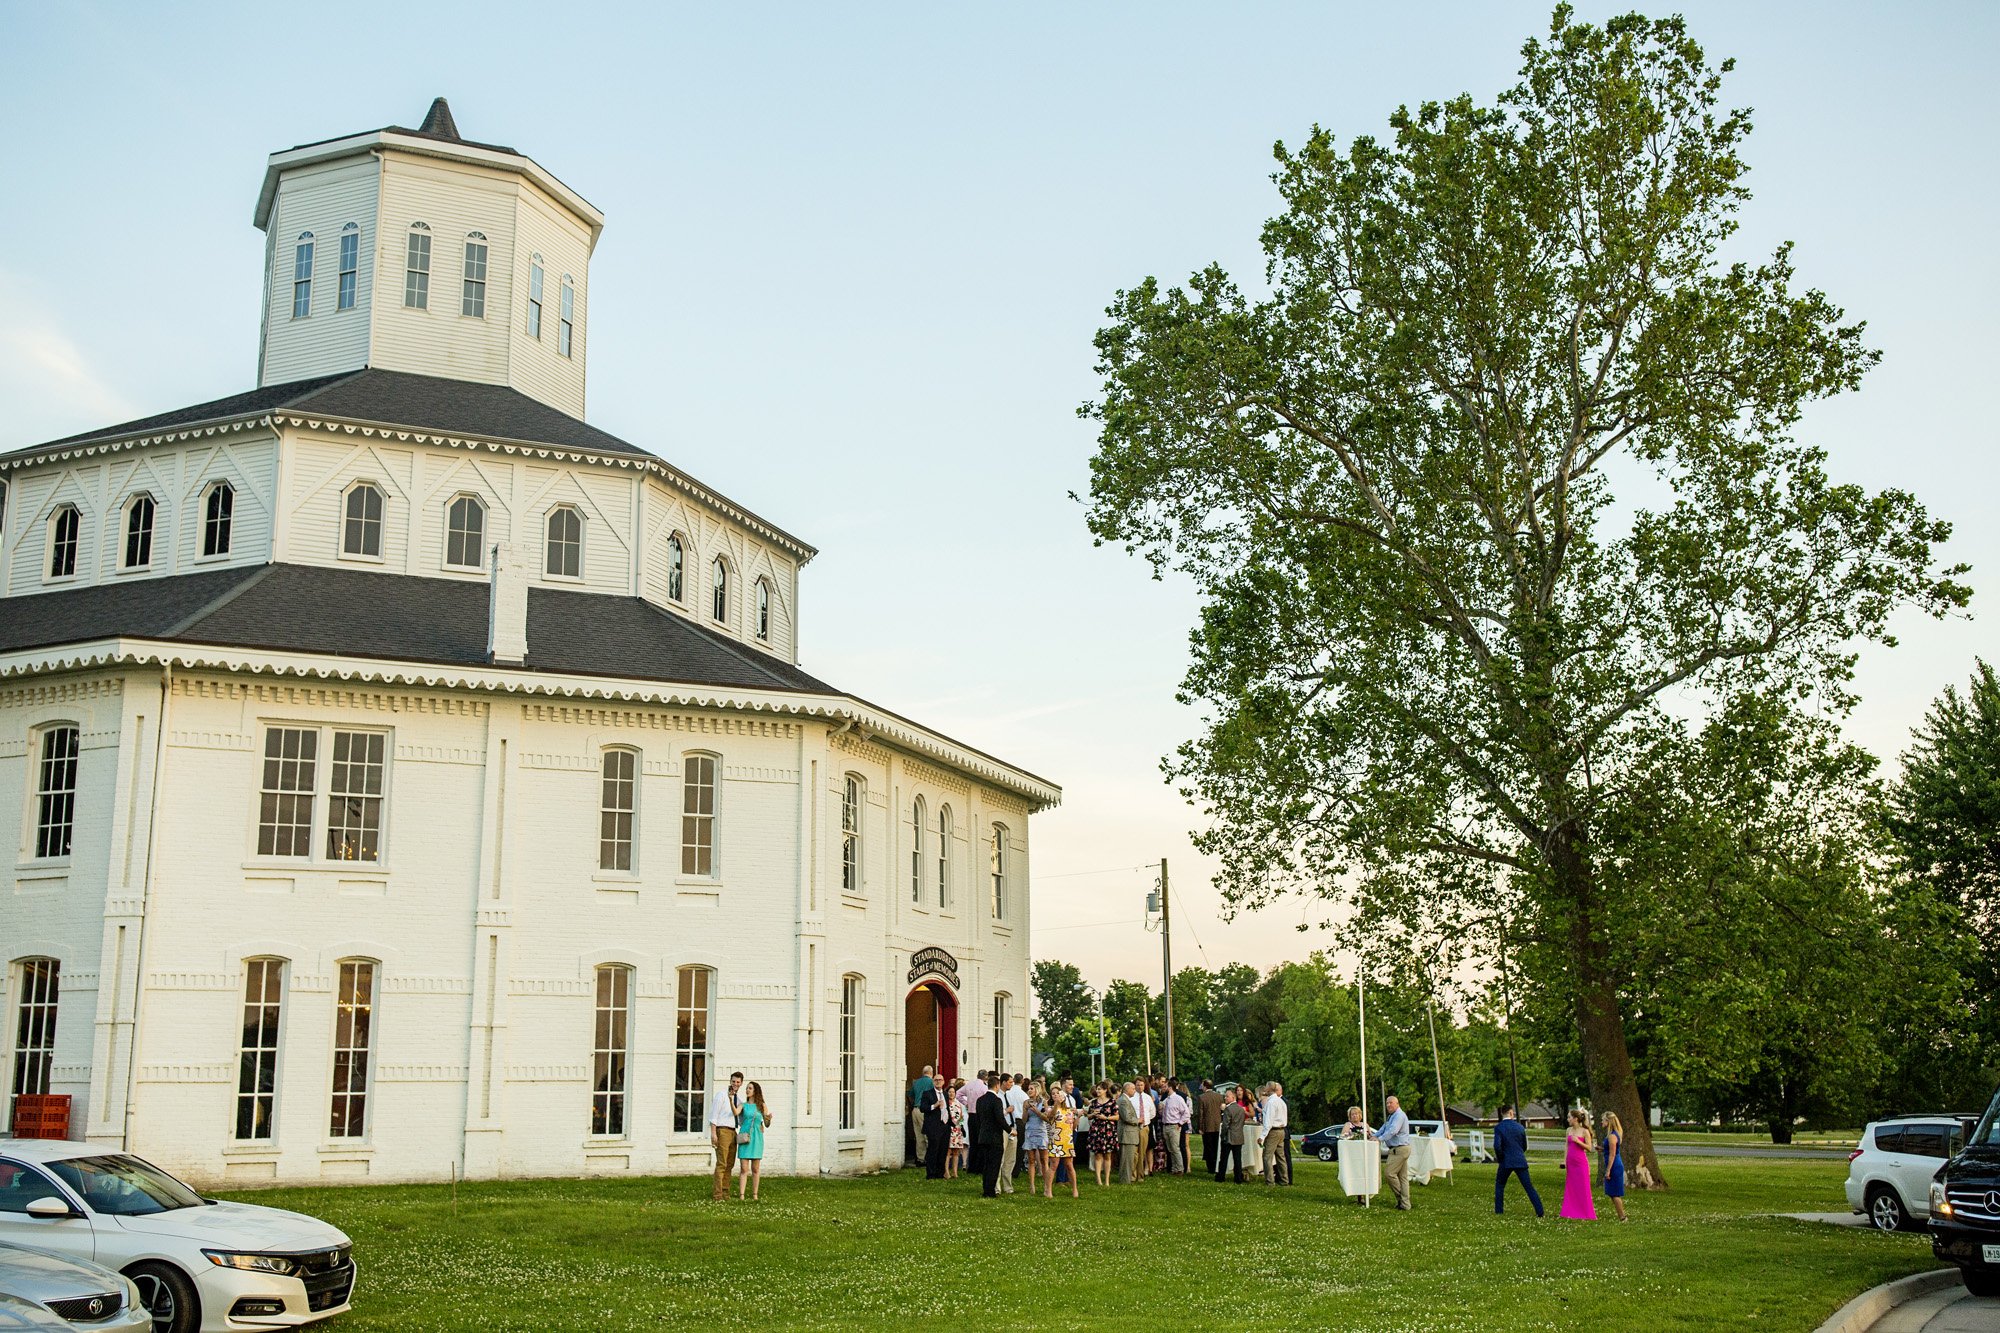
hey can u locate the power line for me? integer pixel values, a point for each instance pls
(1087, 925)
(1077, 874)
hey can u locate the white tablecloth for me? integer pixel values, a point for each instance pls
(1360, 1166)
(1429, 1154)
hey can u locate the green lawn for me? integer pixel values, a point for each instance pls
(1805, 1138)
(891, 1250)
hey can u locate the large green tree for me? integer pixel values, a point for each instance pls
(1943, 813)
(1494, 487)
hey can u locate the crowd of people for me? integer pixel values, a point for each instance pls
(1003, 1126)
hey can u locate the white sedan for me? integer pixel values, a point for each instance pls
(199, 1264)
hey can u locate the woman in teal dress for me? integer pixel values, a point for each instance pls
(1614, 1163)
(751, 1122)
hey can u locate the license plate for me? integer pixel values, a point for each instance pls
(1990, 1253)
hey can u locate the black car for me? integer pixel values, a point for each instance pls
(1322, 1143)
(1965, 1207)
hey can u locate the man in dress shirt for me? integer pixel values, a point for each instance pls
(920, 1085)
(1174, 1118)
(1395, 1136)
(1510, 1154)
(1149, 1114)
(1013, 1097)
(722, 1109)
(989, 1131)
(1277, 1128)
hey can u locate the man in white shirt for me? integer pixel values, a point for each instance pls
(722, 1108)
(1149, 1111)
(968, 1097)
(1015, 1098)
(1277, 1122)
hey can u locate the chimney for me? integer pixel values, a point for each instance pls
(507, 611)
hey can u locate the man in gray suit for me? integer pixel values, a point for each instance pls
(1129, 1121)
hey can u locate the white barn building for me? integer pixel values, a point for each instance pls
(411, 777)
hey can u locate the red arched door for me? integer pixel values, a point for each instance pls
(930, 1027)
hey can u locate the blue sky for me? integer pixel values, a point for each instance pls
(854, 258)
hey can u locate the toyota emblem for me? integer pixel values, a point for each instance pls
(96, 1307)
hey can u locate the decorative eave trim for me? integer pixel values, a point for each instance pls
(877, 724)
(272, 419)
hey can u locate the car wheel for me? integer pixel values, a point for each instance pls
(1885, 1209)
(1326, 1154)
(1983, 1282)
(168, 1296)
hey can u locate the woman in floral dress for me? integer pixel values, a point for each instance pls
(955, 1156)
(1062, 1145)
(1103, 1114)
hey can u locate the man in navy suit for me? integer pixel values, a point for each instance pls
(990, 1127)
(1510, 1150)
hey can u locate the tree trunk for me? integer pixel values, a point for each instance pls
(1781, 1129)
(1600, 1021)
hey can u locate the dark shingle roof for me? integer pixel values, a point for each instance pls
(438, 124)
(398, 617)
(393, 398)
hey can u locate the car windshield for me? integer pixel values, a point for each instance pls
(1988, 1133)
(121, 1186)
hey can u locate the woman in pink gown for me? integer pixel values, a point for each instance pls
(1577, 1202)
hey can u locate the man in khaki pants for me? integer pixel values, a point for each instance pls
(1128, 1134)
(722, 1109)
(1395, 1137)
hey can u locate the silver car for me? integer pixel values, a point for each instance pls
(42, 1290)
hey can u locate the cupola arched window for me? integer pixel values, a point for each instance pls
(302, 276)
(139, 514)
(218, 512)
(473, 303)
(764, 610)
(465, 533)
(350, 267)
(719, 603)
(535, 297)
(565, 544)
(417, 269)
(566, 322)
(65, 528)
(852, 792)
(944, 856)
(676, 568)
(999, 868)
(361, 521)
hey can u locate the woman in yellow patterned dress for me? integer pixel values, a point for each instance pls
(1062, 1143)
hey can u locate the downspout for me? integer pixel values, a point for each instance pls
(145, 903)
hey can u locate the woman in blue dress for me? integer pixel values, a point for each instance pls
(751, 1122)
(1035, 1134)
(1614, 1163)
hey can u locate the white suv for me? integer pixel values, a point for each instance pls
(198, 1264)
(1889, 1175)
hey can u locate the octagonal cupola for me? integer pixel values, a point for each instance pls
(421, 250)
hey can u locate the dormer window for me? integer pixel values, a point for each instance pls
(139, 513)
(350, 266)
(566, 325)
(417, 269)
(218, 511)
(302, 276)
(764, 610)
(465, 533)
(473, 303)
(535, 298)
(65, 527)
(361, 522)
(676, 568)
(719, 610)
(565, 545)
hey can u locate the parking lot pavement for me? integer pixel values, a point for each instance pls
(1953, 1310)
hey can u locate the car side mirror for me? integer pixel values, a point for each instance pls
(50, 1208)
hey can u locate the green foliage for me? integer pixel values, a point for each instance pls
(1435, 637)
(1061, 998)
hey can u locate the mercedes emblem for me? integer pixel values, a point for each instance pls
(1993, 1201)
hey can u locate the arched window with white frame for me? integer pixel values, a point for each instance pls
(257, 1054)
(944, 857)
(565, 543)
(853, 793)
(853, 992)
(1000, 1003)
(694, 1014)
(719, 592)
(57, 746)
(698, 774)
(918, 828)
(353, 1047)
(611, 1047)
(361, 521)
(218, 516)
(348, 284)
(137, 550)
(999, 871)
(417, 268)
(676, 568)
(472, 303)
(535, 297)
(618, 805)
(302, 276)
(65, 534)
(764, 610)
(465, 533)
(566, 317)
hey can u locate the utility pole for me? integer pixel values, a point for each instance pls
(1146, 1025)
(1167, 959)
